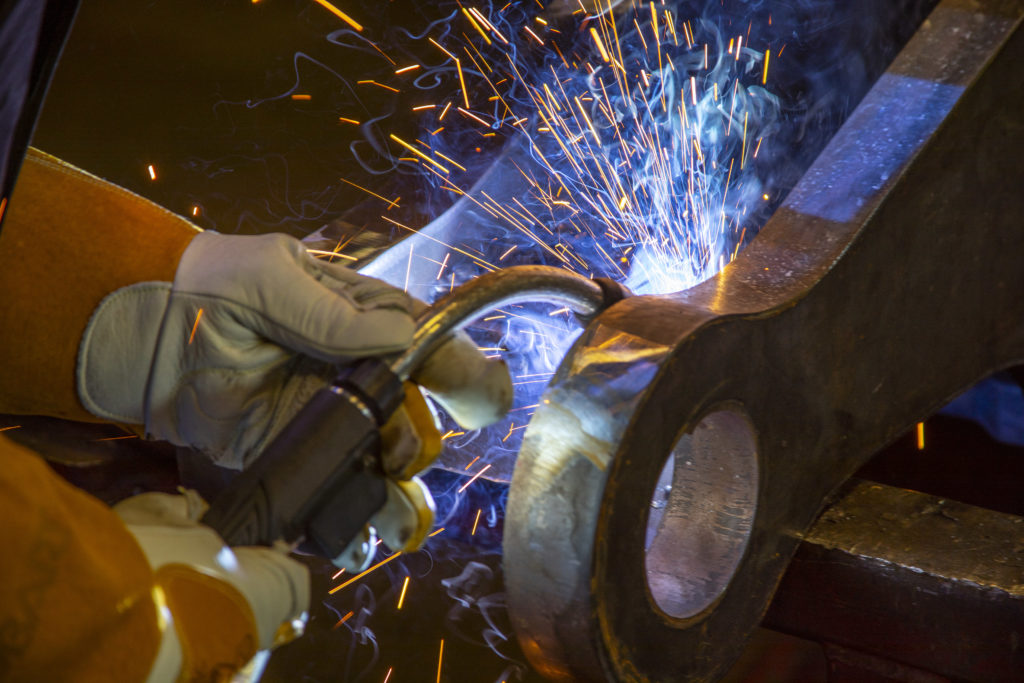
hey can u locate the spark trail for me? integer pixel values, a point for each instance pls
(615, 140)
(633, 131)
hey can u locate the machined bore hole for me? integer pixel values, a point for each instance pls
(701, 514)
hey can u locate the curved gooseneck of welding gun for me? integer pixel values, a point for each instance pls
(320, 480)
(498, 288)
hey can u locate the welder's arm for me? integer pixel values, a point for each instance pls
(87, 598)
(68, 240)
(116, 309)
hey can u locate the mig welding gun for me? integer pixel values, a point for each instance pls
(321, 479)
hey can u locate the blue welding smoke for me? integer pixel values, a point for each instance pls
(515, 140)
(620, 144)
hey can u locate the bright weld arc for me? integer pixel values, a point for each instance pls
(693, 201)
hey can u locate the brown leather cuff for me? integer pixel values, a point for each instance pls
(69, 239)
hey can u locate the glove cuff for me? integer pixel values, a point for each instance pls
(117, 350)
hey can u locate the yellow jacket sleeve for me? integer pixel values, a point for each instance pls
(68, 240)
(76, 601)
(79, 601)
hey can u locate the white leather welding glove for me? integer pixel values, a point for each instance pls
(475, 390)
(219, 605)
(251, 327)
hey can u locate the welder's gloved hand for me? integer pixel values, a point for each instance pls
(210, 361)
(251, 327)
(475, 390)
(219, 605)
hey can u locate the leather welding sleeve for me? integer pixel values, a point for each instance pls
(76, 599)
(144, 594)
(69, 239)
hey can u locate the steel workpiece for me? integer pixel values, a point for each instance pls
(688, 441)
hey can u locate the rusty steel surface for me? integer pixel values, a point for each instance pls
(925, 581)
(688, 441)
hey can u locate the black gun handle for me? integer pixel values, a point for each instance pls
(320, 467)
